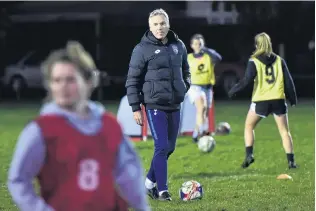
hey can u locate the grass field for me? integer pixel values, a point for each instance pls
(226, 185)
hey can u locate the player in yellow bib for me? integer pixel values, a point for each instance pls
(272, 85)
(202, 62)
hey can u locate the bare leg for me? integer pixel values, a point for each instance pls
(205, 122)
(200, 113)
(283, 126)
(284, 130)
(209, 100)
(250, 124)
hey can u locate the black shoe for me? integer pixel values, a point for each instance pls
(195, 140)
(292, 165)
(165, 196)
(206, 133)
(249, 160)
(153, 193)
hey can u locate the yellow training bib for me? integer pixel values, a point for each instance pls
(202, 70)
(269, 82)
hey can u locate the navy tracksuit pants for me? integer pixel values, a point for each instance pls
(164, 126)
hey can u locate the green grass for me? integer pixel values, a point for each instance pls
(226, 185)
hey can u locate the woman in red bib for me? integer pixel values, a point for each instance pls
(75, 149)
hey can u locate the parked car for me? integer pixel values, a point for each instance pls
(26, 73)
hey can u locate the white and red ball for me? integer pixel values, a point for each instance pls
(191, 190)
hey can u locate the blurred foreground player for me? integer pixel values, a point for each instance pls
(272, 85)
(159, 78)
(75, 149)
(202, 62)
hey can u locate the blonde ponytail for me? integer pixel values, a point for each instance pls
(263, 45)
(76, 52)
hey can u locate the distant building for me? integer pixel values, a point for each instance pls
(215, 12)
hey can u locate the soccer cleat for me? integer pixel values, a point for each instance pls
(249, 160)
(292, 165)
(165, 196)
(153, 193)
(206, 133)
(196, 139)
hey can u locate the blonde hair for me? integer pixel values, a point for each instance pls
(73, 53)
(263, 45)
(157, 12)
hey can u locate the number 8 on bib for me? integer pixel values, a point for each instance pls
(88, 175)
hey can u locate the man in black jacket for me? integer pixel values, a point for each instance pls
(159, 78)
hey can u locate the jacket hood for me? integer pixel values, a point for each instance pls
(52, 108)
(150, 38)
(267, 60)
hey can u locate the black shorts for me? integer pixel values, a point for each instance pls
(264, 108)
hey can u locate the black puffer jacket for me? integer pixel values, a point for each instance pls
(159, 74)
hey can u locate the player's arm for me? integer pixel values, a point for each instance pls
(216, 57)
(289, 86)
(135, 78)
(129, 177)
(250, 75)
(186, 68)
(27, 161)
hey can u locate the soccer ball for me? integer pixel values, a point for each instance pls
(191, 190)
(206, 144)
(223, 128)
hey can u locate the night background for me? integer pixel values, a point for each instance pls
(110, 30)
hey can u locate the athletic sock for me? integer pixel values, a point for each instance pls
(201, 130)
(290, 157)
(149, 184)
(249, 151)
(161, 192)
(195, 134)
(205, 126)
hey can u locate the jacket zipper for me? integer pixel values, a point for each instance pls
(171, 75)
